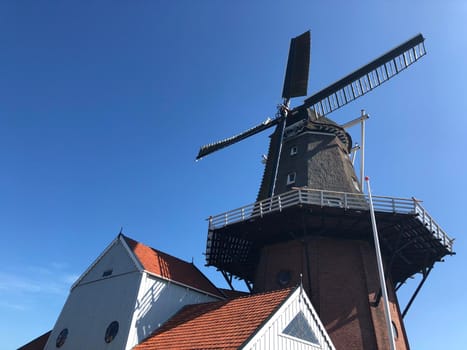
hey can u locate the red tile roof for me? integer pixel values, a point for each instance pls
(171, 268)
(232, 294)
(38, 343)
(217, 325)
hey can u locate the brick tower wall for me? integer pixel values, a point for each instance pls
(341, 278)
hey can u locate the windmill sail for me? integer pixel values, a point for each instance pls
(298, 63)
(213, 147)
(367, 78)
(335, 96)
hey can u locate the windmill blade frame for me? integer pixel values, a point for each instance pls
(366, 78)
(213, 147)
(336, 95)
(298, 66)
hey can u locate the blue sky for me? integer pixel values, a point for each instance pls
(103, 106)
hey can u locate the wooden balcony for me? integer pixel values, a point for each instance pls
(411, 238)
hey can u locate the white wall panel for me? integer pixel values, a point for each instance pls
(115, 259)
(91, 307)
(158, 300)
(140, 303)
(271, 337)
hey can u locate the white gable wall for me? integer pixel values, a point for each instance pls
(96, 301)
(116, 258)
(158, 300)
(138, 301)
(270, 336)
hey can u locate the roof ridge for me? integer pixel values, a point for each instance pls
(156, 250)
(221, 317)
(232, 293)
(210, 282)
(171, 268)
(279, 290)
(292, 290)
(94, 263)
(253, 295)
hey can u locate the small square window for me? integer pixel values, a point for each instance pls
(107, 273)
(291, 178)
(293, 150)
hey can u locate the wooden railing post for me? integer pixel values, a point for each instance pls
(345, 200)
(210, 222)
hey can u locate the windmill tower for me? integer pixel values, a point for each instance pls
(311, 221)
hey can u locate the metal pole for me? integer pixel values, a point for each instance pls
(283, 112)
(425, 276)
(362, 148)
(354, 152)
(381, 269)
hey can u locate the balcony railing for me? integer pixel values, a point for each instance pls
(344, 200)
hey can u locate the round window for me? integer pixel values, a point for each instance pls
(283, 277)
(111, 332)
(61, 338)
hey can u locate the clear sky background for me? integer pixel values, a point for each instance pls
(104, 104)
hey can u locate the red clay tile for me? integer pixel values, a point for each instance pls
(38, 343)
(217, 325)
(231, 294)
(171, 268)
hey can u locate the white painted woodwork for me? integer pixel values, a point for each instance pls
(91, 307)
(139, 301)
(334, 199)
(158, 300)
(115, 258)
(270, 336)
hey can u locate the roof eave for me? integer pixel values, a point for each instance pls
(219, 296)
(270, 316)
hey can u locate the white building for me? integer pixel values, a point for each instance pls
(136, 297)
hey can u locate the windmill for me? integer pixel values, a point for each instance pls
(327, 100)
(311, 223)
